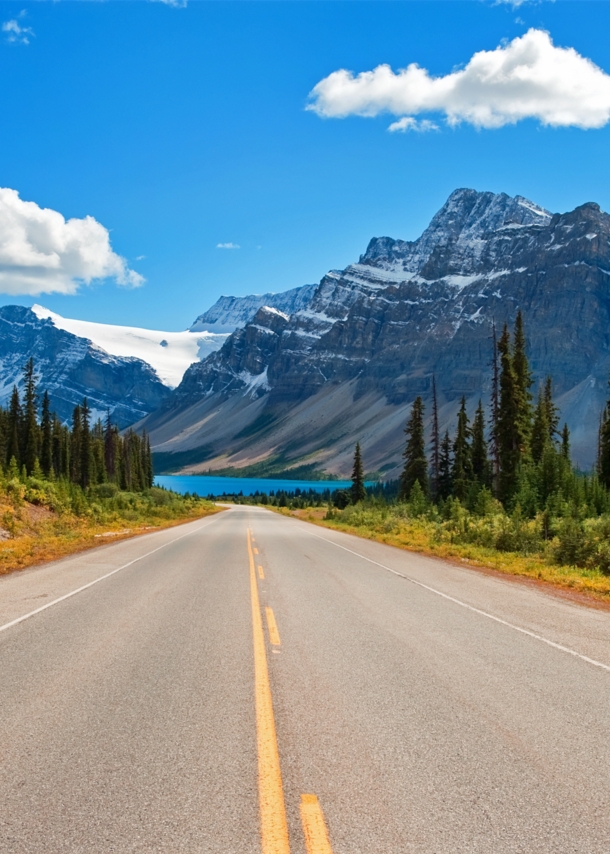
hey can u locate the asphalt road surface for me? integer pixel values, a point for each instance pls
(252, 683)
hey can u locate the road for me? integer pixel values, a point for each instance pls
(253, 683)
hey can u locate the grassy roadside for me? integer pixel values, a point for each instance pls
(42, 521)
(418, 535)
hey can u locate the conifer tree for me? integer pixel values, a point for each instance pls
(552, 413)
(494, 414)
(30, 432)
(15, 415)
(416, 464)
(461, 473)
(85, 445)
(523, 384)
(565, 443)
(435, 445)
(508, 431)
(540, 429)
(481, 469)
(46, 430)
(444, 468)
(76, 446)
(358, 490)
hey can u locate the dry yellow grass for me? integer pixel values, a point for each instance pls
(416, 537)
(41, 535)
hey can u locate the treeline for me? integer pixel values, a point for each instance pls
(35, 442)
(516, 454)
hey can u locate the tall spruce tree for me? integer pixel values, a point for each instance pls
(85, 446)
(435, 445)
(523, 384)
(13, 426)
(540, 429)
(565, 443)
(494, 414)
(507, 431)
(444, 468)
(46, 430)
(76, 445)
(481, 468)
(461, 473)
(358, 490)
(30, 440)
(416, 465)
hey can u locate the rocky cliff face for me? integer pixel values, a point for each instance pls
(230, 313)
(71, 368)
(405, 312)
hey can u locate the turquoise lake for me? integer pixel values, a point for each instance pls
(208, 485)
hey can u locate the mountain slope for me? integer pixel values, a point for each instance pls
(230, 313)
(71, 367)
(348, 366)
(168, 353)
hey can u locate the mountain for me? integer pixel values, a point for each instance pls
(168, 353)
(71, 367)
(294, 389)
(230, 313)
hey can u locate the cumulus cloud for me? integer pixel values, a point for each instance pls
(409, 123)
(43, 253)
(16, 33)
(228, 246)
(527, 78)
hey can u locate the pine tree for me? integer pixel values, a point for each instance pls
(85, 445)
(30, 433)
(461, 473)
(540, 429)
(552, 413)
(76, 446)
(46, 429)
(13, 433)
(435, 445)
(508, 433)
(416, 464)
(444, 468)
(357, 491)
(481, 468)
(565, 443)
(494, 414)
(110, 448)
(523, 384)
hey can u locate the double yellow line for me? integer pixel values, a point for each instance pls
(274, 827)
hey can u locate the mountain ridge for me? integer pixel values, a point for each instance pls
(407, 310)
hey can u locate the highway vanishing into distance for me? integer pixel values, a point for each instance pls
(252, 683)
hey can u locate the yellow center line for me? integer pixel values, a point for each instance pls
(314, 826)
(261, 573)
(274, 828)
(274, 635)
(255, 551)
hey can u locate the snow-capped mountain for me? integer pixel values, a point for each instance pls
(304, 386)
(230, 313)
(72, 367)
(168, 353)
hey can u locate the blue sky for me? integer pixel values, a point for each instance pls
(178, 129)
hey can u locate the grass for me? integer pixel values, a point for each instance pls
(42, 521)
(426, 537)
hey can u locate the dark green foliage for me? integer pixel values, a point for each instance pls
(416, 465)
(358, 490)
(481, 468)
(435, 446)
(462, 471)
(445, 482)
(82, 454)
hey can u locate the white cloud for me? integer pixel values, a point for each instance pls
(409, 123)
(178, 4)
(526, 78)
(16, 33)
(228, 246)
(42, 253)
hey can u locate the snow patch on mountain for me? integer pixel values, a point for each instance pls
(168, 353)
(230, 313)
